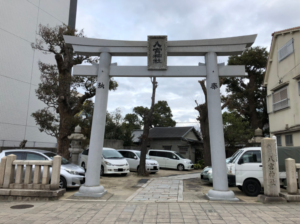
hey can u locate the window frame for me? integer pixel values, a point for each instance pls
(241, 157)
(286, 45)
(292, 142)
(287, 98)
(279, 143)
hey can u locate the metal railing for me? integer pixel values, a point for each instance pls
(281, 105)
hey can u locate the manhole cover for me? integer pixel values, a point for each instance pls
(143, 181)
(21, 206)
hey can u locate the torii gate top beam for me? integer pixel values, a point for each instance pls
(221, 46)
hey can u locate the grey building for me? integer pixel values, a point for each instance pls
(19, 73)
(184, 140)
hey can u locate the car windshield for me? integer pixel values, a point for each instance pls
(51, 155)
(179, 155)
(235, 155)
(111, 154)
(139, 155)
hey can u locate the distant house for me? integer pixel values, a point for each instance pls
(282, 79)
(184, 140)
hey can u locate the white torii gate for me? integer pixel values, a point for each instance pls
(210, 48)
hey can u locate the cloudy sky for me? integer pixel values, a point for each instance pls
(179, 20)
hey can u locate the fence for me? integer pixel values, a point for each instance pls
(33, 144)
(7, 173)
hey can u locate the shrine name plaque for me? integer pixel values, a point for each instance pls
(157, 52)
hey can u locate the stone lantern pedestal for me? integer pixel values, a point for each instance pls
(76, 144)
(256, 140)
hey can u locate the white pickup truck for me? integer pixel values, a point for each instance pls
(245, 168)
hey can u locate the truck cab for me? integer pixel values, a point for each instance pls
(245, 171)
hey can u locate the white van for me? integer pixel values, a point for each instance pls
(112, 162)
(133, 158)
(245, 171)
(170, 159)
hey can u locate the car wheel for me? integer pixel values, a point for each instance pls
(251, 187)
(124, 174)
(83, 166)
(153, 173)
(137, 169)
(102, 171)
(240, 188)
(180, 167)
(62, 183)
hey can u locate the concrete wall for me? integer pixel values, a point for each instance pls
(285, 70)
(19, 74)
(112, 143)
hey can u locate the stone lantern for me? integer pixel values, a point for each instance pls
(76, 144)
(258, 136)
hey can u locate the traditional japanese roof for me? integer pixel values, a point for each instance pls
(274, 36)
(171, 132)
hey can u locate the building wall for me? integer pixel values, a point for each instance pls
(191, 135)
(285, 70)
(19, 74)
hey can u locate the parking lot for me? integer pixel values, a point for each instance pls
(162, 186)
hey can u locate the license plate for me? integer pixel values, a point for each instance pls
(120, 169)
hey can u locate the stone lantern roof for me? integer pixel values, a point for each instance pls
(77, 134)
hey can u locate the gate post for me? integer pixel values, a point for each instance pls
(220, 182)
(92, 187)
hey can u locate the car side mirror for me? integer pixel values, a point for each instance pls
(135, 157)
(241, 161)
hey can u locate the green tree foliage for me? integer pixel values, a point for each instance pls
(58, 88)
(246, 95)
(162, 114)
(132, 121)
(113, 126)
(236, 129)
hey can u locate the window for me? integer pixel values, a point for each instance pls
(289, 140)
(20, 155)
(286, 50)
(251, 157)
(152, 153)
(167, 147)
(124, 154)
(85, 152)
(131, 155)
(183, 149)
(280, 99)
(161, 154)
(33, 156)
(278, 137)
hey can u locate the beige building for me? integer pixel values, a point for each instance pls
(282, 80)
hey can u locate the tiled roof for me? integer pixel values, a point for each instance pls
(283, 31)
(170, 132)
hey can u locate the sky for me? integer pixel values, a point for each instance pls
(179, 20)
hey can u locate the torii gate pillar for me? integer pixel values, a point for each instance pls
(220, 184)
(91, 187)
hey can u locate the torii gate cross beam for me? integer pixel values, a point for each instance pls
(210, 48)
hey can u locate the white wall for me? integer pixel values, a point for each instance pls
(19, 74)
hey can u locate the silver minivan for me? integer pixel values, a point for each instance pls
(71, 175)
(133, 158)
